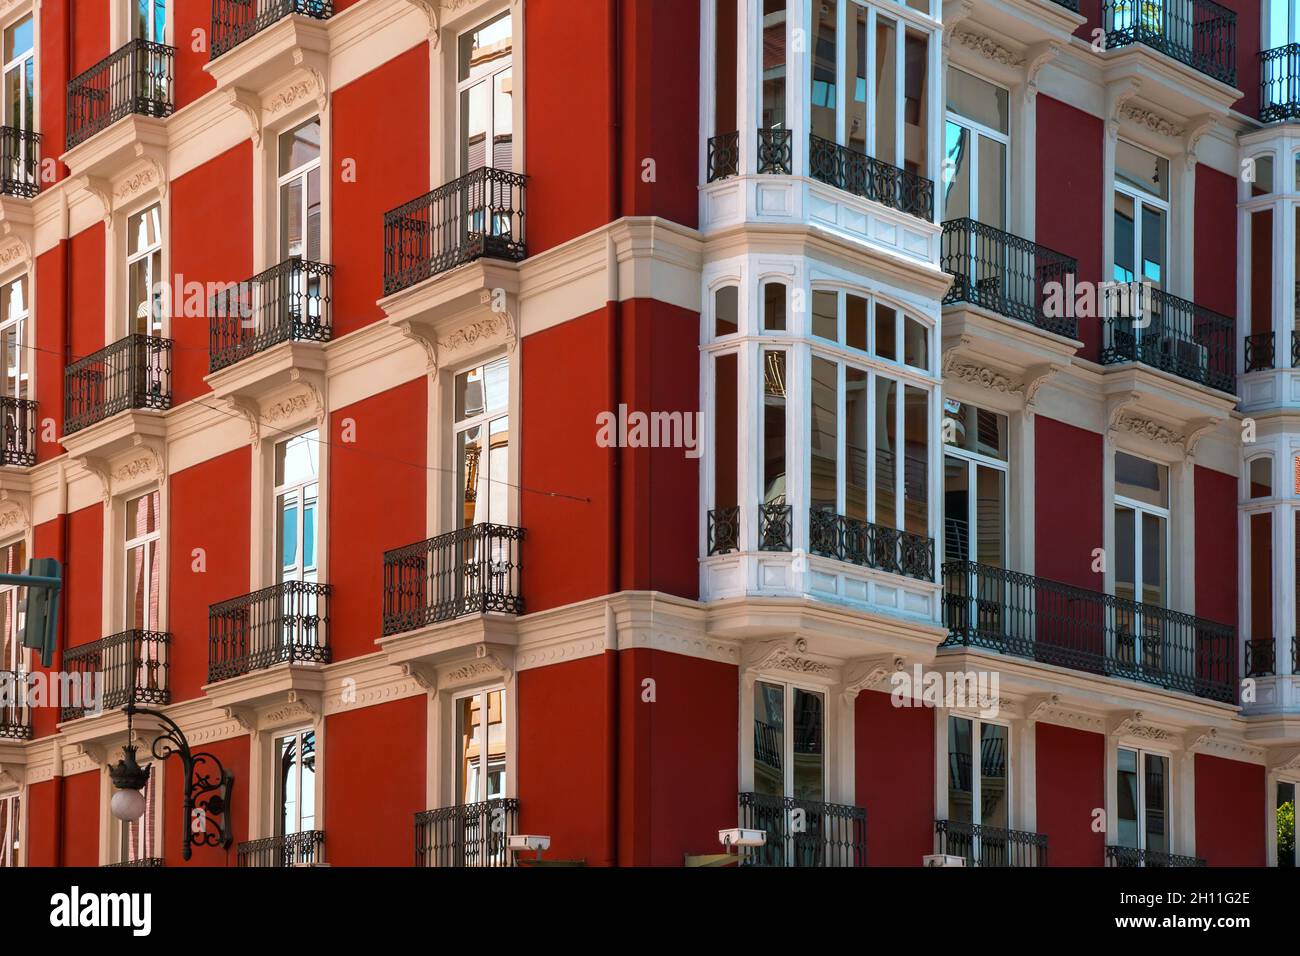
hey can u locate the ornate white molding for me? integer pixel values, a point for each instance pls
(1146, 428)
(988, 47)
(1151, 120)
(870, 672)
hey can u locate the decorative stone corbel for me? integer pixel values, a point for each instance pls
(101, 189)
(1038, 705)
(1287, 760)
(427, 8)
(1037, 56)
(251, 106)
(423, 675)
(1118, 94)
(244, 716)
(1192, 136)
(99, 468)
(954, 12)
(1196, 431)
(1123, 722)
(426, 342)
(96, 753)
(1198, 737)
(1035, 378)
(252, 414)
(868, 672)
(12, 774)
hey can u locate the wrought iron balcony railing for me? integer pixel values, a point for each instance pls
(285, 623)
(1295, 347)
(130, 666)
(15, 709)
(17, 431)
(137, 78)
(775, 152)
(1279, 83)
(1089, 631)
(474, 834)
(480, 215)
(470, 571)
(291, 850)
(287, 302)
(870, 545)
(870, 178)
(1172, 334)
(831, 834)
(1259, 351)
(234, 21)
(1198, 33)
(990, 846)
(1072, 5)
(1261, 658)
(1132, 856)
(143, 862)
(724, 530)
(1005, 274)
(724, 156)
(134, 372)
(20, 162)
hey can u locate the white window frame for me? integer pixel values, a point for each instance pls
(974, 461)
(277, 791)
(302, 173)
(1142, 198)
(297, 489)
(482, 795)
(132, 543)
(19, 63)
(1170, 815)
(23, 323)
(483, 421)
(787, 755)
(975, 130)
(157, 325)
(460, 86)
(10, 855)
(1146, 508)
(155, 32)
(977, 757)
(19, 660)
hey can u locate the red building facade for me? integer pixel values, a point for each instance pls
(623, 420)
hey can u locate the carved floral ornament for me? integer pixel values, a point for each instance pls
(500, 325)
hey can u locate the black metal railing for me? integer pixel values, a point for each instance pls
(1199, 33)
(17, 431)
(291, 850)
(1261, 658)
(1005, 274)
(1169, 333)
(1259, 351)
(285, 623)
(1279, 83)
(470, 571)
(15, 706)
(474, 834)
(1132, 856)
(137, 78)
(134, 372)
(803, 832)
(1295, 347)
(724, 156)
(234, 21)
(127, 667)
(1071, 5)
(287, 302)
(1069, 626)
(870, 545)
(146, 862)
(775, 152)
(724, 530)
(870, 178)
(990, 846)
(480, 215)
(775, 526)
(20, 162)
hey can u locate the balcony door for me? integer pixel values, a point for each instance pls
(481, 450)
(790, 773)
(295, 784)
(294, 297)
(10, 830)
(1141, 517)
(979, 791)
(13, 656)
(1141, 241)
(15, 312)
(1142, 791)
(484, 91)
(149, 23)
(297, 515)
(149, 20)
(480, 749)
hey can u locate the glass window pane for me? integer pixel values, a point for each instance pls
(485, 48)
(857, 75)
(1153, 560)
(1141, 169)
(292, 228)
(1125, 554)
(857, 419)
(774, 64)
(295, 459)
(498, 471)
(470, 398)
(307, 818)
(992, 198)
(1126, 798)
(286, 533)
(991, 512)
(886, 90)
(1156, 793)
(469, 451)
(773, 307)
(774, 426)
(823, 450)
(886, 332)
(496, 739)
(855, 322)
(1141, 480)
(825, 317)
(916, 487)
(468, 751)
(961, 782)
(769, 739)
(725, 440)
(995, 809)
(916, 339)
(726, 304)
(496, 381)
(916, 104)
(978, 100)
(1263, 184)
(1125, 238)
(299, 146)
(726, 41)
(18, 38)
(809, 759)
(886, 460)
(956, 509)
(824, 70)
(1260, 527)
(956, 171)
(1153, 245)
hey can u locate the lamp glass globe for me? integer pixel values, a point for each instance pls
(128, 805)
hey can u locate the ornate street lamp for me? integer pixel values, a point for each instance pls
(207, 784)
